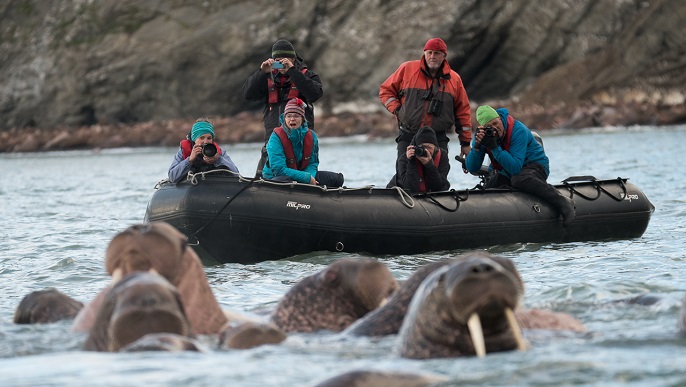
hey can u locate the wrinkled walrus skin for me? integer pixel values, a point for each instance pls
(141, 303)
(335, 297)
(46, 306)
(436, 321)
(159, 246)
(387, 319)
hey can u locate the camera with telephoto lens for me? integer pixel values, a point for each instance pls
(489, 131)
(209, 150)
(419, 151)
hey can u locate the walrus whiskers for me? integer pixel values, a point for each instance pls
(477, 334)
(516, 331)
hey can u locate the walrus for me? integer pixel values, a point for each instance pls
(167, 342)
(250, 335)
(139, 304)
(369, 378)
(46, 306)
(335, 297)
(463, 309)
(159, 246)
(387, 319)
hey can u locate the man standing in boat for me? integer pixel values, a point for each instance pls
(199, 153)
(427, 92)
(424, 167)
(516, 156)
(293, 151)
(279, 79)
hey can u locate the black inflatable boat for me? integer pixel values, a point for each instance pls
(229, 218)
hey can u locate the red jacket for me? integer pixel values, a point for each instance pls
(409, 86)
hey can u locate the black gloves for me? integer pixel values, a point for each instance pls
(489, 142)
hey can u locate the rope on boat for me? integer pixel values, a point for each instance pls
(404, 196)
(598, 186)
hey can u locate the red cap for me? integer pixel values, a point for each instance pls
(436, 44)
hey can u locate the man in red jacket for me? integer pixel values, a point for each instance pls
(426, 92)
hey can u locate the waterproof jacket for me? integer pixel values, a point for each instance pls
(523, 149)
(276, 157)
(408, 92)
(180, 166)
(309, 87)
(435, 176)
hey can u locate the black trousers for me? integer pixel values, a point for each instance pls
(329, 179)
(532, 179)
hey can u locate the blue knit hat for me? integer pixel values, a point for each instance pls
(200, 128)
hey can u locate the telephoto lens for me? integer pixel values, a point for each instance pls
(209, 150)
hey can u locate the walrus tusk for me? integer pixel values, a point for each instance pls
(383, 302)
(117, 275)
(474, 325)
(516, 330)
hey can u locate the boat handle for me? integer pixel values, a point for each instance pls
(339, 246)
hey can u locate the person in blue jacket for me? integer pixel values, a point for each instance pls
(517, 158)
(194, 156)
(293, 151)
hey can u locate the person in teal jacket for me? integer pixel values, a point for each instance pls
(293, 151)
(517, 158)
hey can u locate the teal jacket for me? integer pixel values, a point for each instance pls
(276, 158)
(524, 150)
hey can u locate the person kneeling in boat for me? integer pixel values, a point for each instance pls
(199, 153)
(293, 151)
(516, 156)
(424, 167)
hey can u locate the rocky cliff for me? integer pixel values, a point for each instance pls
(112, 64)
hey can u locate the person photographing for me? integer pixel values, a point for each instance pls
(424, 166)
(517, 158)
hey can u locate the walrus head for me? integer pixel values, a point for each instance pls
(465, 308)
(139, 304)
(46, 306)
(335, 297)
(368, 281)
(141, 247)
(161, 247)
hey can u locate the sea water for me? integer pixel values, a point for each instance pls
(60, 210)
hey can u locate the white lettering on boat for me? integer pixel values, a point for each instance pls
(298, 206)
(631, 197)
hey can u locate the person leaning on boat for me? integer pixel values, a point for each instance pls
(190, 157)
(424, 167)
(276, 86)
(293, 151)
(427, 92)
(516, 156)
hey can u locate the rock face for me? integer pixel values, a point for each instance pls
(565, 63)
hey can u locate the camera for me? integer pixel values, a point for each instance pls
(277, 65)
(419, 151)
(435, 106)
(209, 150)
(489, 131)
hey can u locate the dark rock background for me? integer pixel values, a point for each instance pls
(76, 74)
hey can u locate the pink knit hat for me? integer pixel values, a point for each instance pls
(295, 105)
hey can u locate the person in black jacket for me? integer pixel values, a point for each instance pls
(279, 79)
(424, 167)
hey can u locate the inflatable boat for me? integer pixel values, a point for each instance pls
(230, 218)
